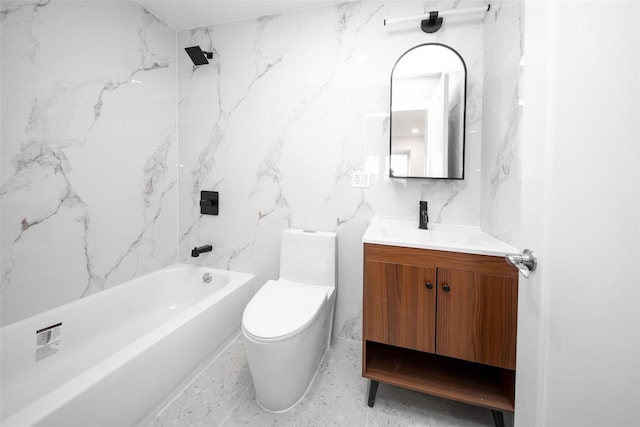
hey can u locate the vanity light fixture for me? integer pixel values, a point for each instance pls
(432, 21)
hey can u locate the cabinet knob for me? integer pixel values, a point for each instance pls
(446, 287)
(428, 285)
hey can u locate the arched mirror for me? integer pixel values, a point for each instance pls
(428, 103)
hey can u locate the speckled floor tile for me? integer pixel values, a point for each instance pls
(211, 396)
(336, 396)
(395, 406)
(223, 395)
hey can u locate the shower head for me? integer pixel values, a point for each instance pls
(198, 56)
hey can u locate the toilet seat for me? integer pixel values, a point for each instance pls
(281, 309)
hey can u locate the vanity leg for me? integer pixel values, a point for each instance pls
(498, 418)
(373, 389)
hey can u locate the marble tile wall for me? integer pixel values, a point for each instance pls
(503, 50)
(93, 181)
(88, 171)
(288, 107)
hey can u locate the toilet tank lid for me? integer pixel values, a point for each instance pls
(282, 308)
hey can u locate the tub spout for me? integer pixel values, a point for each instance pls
(195, 252)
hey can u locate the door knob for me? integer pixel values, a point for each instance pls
(428, 285)
(446, 287)
(524, 263)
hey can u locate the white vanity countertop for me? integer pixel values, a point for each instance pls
(443, 237)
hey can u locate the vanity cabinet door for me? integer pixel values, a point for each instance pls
(399, 305)
(477, 317)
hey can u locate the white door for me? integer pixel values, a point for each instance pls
(579, 312)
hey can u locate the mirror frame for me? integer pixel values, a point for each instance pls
(464, 115)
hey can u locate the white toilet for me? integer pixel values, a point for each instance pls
(287, 324)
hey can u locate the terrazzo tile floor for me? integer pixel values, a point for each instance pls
(222, 395)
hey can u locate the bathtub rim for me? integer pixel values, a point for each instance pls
(105, 292)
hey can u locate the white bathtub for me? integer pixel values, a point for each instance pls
(120, 352)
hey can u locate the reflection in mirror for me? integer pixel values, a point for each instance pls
(428, 101)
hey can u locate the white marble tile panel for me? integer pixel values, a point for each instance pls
(289, 107)
(88, 150)
(504, 48)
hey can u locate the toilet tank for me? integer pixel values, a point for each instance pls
(308, 257)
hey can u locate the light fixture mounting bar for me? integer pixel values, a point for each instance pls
(439, 14)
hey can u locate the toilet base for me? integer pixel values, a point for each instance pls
(283, 371)
(301, 397)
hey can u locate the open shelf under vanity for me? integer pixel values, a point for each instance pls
(441, 376)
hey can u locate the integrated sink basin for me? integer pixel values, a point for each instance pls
(446, 237)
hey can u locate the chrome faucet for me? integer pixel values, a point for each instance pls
(195, 252)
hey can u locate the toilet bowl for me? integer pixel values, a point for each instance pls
(287, 324)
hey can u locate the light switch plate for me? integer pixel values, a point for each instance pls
(360, 179)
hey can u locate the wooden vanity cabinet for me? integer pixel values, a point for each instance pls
(442, 323)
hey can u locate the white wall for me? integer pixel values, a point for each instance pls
(416, 148)
(88, 185)
(288, 108)
(592, 305)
